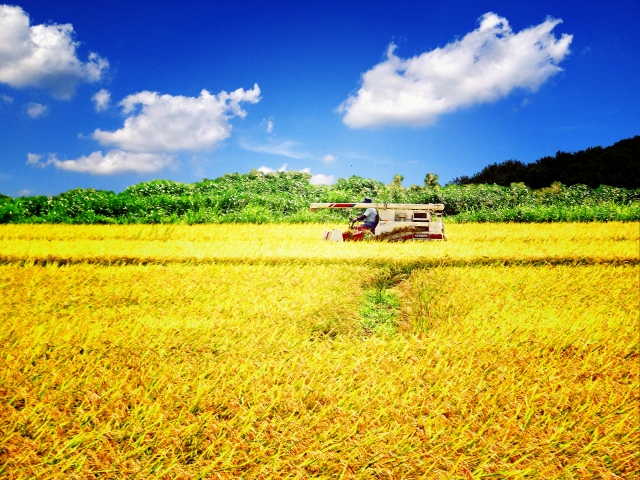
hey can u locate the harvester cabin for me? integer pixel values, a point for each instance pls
(390, 215)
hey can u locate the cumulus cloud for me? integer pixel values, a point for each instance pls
(328, 158)
(43, 56)
(266, 170)
(285, 148)
(36, 110)
(113, 162)
(269, 126)
(163, 124)
(483, 66)
(34, 159)
(102, 100)
(171, 123)
(320, 179)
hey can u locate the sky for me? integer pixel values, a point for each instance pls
(109, 94)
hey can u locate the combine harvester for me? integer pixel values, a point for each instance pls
(397, 222)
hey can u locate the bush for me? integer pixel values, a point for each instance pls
(285, 197)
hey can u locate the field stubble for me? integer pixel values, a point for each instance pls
(228, 351)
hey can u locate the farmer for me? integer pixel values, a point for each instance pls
(370, 217)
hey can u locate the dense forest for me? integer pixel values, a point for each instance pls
(617, 166)
(285, 197)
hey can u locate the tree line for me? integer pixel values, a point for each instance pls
(617, 166)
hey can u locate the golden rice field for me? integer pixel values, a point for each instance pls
(259, 351)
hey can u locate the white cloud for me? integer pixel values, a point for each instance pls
(328, 158)
(102, 100)
(43, 56)
(166, 123)
(6, 98)
(34, 159)
(320, 179)
(114, 162)
(266, 170)
(269, 126)
(36, 110)
(483, 66)
(285, 149)
(25, 192)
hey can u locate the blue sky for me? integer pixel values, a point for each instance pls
(109, 94)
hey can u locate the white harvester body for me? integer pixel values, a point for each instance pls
(412, 221)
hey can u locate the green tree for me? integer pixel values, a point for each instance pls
(431, 180)
(397, 179)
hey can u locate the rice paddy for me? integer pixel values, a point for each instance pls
(259, 351)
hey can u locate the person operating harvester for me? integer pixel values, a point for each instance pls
(370, 217)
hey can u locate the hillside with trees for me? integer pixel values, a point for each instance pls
(617, 165)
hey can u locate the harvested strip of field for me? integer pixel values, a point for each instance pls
(262, 370)
(468, 244)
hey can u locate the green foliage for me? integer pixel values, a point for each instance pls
(617, 165)
(397, 179)
(356, 187)
(431, 180)
(379, 311)
(285, 197)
